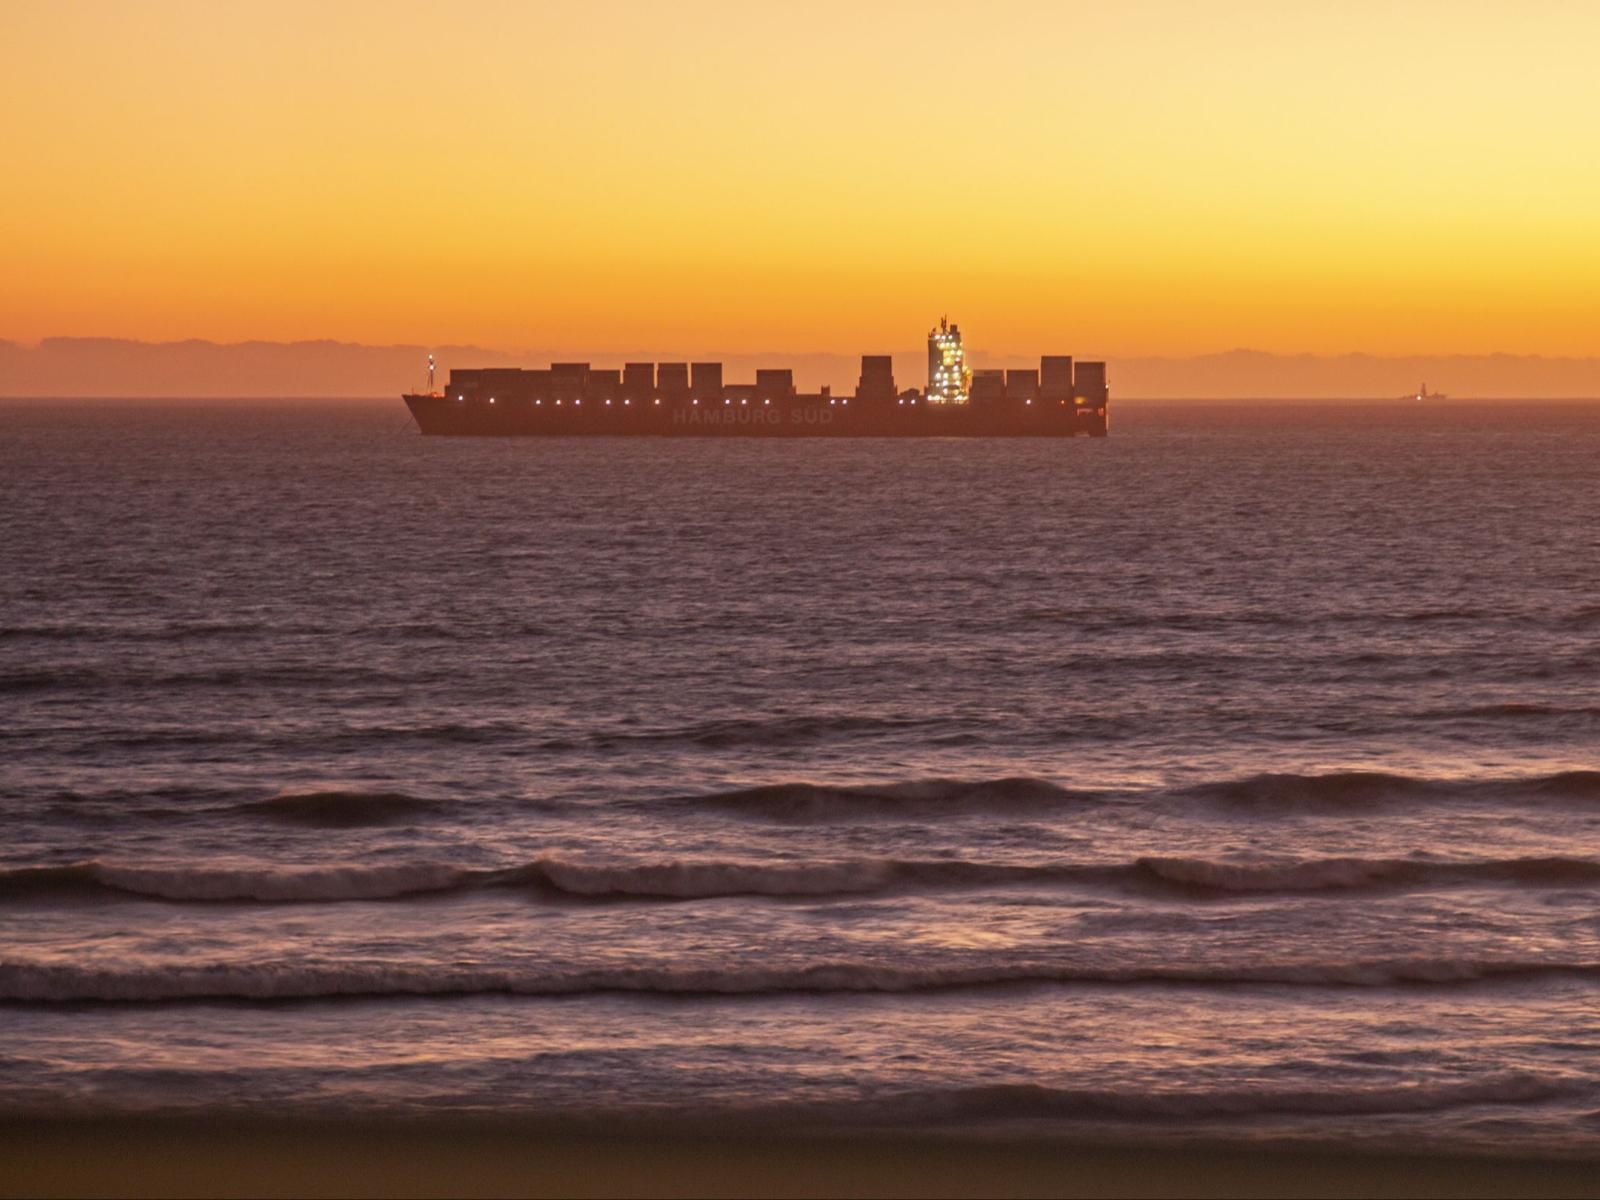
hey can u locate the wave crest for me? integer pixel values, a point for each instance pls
(1340, 790)
(748, 731)
(1033, 1101)
(1352, 874)
(338, 807)
(691, 879)
(806, 803)
(24, 982)
(1335, 789)
(1266, 794)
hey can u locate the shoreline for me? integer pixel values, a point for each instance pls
(235, 1156)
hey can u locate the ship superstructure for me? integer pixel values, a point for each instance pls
(949, 380)
(1422, 393)
(1059, 399)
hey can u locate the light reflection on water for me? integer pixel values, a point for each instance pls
(1237, 769)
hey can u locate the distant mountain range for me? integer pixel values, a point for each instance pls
(117, 367)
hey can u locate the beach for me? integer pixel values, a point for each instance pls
(441, 1158)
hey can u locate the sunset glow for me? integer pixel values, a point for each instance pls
(1153, 178)
(840, 599)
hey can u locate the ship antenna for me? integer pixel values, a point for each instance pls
(430, 374)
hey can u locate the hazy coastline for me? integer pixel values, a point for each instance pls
(196, 368)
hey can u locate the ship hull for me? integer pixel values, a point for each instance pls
(443, 416)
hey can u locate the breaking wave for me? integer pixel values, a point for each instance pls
(799, 803)
(668, 880)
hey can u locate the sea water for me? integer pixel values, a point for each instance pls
(1233, 777)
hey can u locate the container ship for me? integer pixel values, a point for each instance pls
(1060, 398)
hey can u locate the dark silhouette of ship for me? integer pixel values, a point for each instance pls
(1422, 393)
(1059, 399)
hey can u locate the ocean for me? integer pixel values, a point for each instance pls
(1233, 778)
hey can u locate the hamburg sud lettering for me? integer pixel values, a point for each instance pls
(751, 416)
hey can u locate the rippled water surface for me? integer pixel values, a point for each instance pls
(1234, 776)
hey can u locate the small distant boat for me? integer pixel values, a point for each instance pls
(1422, 393)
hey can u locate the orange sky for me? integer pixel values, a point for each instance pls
(1112, 179)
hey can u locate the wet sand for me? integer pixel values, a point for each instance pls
(169, 1157)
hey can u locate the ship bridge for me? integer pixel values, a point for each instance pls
(949, 380)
